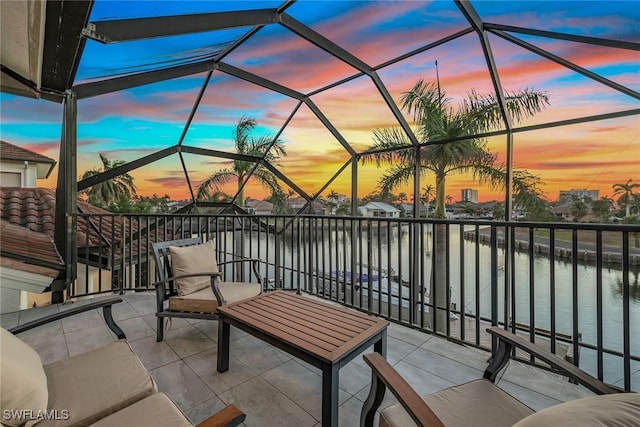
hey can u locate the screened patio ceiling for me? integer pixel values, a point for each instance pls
(161, 85)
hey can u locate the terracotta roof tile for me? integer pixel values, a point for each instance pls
(27, 244)
(34, 209)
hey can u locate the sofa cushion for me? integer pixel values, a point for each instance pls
(23, 383)
(157, 410)
(192, 260)
(97, 383)
(611, 410)
(478, 402)
(203, 301)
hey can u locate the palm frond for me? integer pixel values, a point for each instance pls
(214, 183)
(392, 139)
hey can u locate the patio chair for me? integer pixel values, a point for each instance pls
(482, 403)
(189, 282)
(105, 387)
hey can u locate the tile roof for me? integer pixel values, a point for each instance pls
(13, 152)
(28, 247)
(98, 231)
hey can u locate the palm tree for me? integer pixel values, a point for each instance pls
(245, 144)
(627, 194)
(578, 209)
(112, 190)
(436, 119)
(425, 197)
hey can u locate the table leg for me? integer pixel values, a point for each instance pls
(330, 390)
(224, 330)
(381, 345)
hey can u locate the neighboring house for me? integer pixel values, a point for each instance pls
(379, 210)
(296, 203)
(315, 207)
(407, 210)
(258, 207)
(20, 167)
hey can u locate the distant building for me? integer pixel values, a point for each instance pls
(258, 207)
(296, 203)
(581, 193)
(469, 195)
(379, 210)
(407, 209)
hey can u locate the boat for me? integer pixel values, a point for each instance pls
(379, 283)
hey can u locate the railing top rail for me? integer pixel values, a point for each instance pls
(408, 220)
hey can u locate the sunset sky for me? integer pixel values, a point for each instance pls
(137, 122)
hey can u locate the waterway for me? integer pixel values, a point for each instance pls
(391, 250)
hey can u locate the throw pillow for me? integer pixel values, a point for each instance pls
(191, 260)
(23, 383)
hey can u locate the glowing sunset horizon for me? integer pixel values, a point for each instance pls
(129, 124)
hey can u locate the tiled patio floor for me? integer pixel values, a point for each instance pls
(271, 387)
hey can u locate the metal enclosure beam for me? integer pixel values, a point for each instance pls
(63, 43)
(394, 108)
(325, 121)
(120, 30)
(323, 43)
(65, 232)
(88, 90)
(260, 81)
(619, 44)
(112, 173)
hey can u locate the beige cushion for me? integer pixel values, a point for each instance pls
(611, 410)
(476, 403)
(157, 410)
(192, 260)
(203, 301)
(23, 383)
(95, 384)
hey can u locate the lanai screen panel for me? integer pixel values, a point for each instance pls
(356, 109)
(378, 31)
(581, 156)
(114, 59)
(279, 55)
(314, 154)
(571, 95)
(134, 123)
(617, 20)
(461, 67)
(226, 101)
(618, 65)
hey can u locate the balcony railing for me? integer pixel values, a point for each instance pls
(571, 287)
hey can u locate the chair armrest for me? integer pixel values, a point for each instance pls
(408, 398)
(161, 289)
(230, 416)
(508, 341)
(105, 303)
(254, 265)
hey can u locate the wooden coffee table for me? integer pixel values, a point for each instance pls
(323, 335)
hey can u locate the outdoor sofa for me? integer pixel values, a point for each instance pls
(105, 387)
